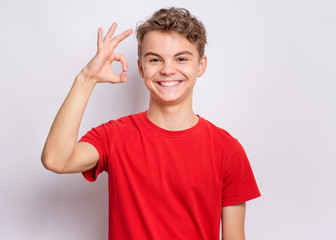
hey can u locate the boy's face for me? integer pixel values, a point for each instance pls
(169, 65)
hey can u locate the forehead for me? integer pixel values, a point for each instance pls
(165, 43)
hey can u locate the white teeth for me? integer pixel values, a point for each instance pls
(169, 84)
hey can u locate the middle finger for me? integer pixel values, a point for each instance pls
(116, 40)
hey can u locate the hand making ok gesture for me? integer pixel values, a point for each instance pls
(99, 68)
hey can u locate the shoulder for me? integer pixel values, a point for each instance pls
(219, 133)
(126, 121)
(121, 127)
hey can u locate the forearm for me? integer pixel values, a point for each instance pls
(63, 134)
(60, 153)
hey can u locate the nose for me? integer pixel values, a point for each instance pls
(167, 68)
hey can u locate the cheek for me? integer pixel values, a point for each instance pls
(192, 71)
(149, 72)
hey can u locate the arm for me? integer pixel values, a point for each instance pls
(233, 218)
(62, 153)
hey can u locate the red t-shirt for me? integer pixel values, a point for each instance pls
(169, 184)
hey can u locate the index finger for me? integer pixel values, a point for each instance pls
(116, 40)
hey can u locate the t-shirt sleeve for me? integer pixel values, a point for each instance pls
(239, 184)
(99, 138)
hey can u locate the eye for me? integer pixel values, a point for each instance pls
(154, 60)
(181, 59)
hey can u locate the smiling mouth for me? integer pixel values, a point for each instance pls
(169, 83)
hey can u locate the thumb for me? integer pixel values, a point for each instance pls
(123, 76)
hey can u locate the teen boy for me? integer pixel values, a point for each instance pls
(172, 174)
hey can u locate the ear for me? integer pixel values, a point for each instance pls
(140, 69)
(202, 66)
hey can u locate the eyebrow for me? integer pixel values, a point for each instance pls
(177, 54)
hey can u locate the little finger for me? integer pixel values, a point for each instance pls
(100, 38)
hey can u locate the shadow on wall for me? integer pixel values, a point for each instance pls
(68, 207)
(133, 96)
(138, 92)
(112, 101)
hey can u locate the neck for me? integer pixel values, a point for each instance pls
(172, 117)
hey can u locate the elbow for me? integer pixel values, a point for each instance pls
(51, 164)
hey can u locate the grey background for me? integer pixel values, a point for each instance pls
(270, 82)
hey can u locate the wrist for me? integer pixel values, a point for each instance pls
(85, 78)
(84, 75)
(83, 81)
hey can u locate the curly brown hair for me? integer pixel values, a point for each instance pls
(174, 20)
